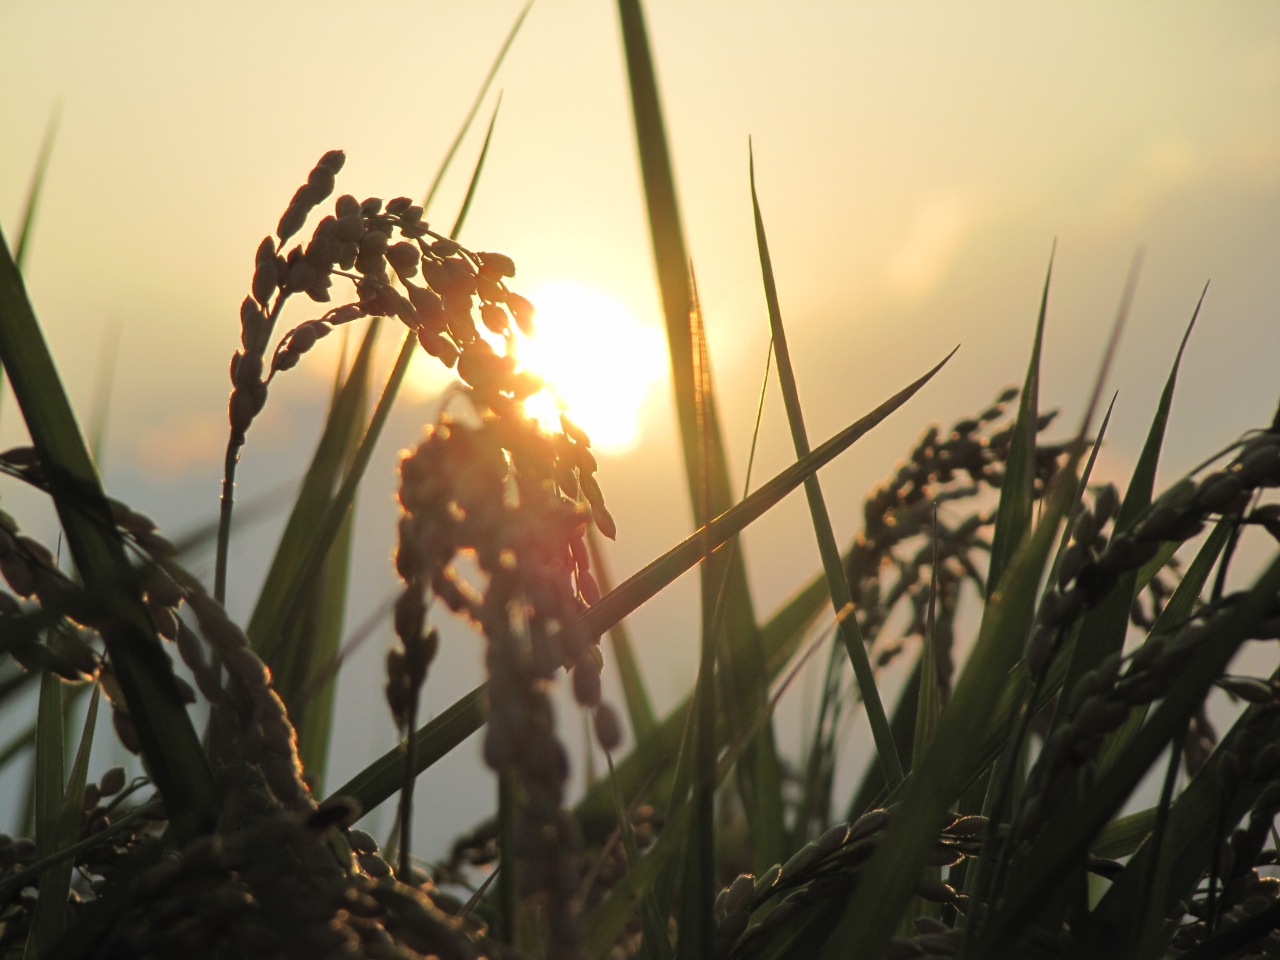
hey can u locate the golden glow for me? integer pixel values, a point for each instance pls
(599, 363)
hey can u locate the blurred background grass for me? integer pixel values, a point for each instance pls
(917, 161)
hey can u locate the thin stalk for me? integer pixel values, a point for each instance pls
(23, 241)
(227, 504)
(508, 894)
(837, 583)
(475, 106)
(403, 871)
(697, 926)
(1157, 838)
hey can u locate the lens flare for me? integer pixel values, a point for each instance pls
(599, 363)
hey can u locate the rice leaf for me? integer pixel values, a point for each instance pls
(954, 759)
(1180, 606)
(639, 707)
(332, 452)
(1013, 517)
(381, 779)
(929, 695)
(1123, 835)
(872, 788)
(289, 598)
(311, 706)
(55, 883)
(168, 738)
(23, 242)
(837, 583)
(1190, 834)
(475, 176)
(475, 106)
(728, 609)
(49, 772)
(656, 944)
(1066, 838)
(102, 392)
(603, 924)
(1104, 627)
(889, 879)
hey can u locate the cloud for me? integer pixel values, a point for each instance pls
(1160, 170)
(921, 261)
(188, 440)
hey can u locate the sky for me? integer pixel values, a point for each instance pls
(916, 163)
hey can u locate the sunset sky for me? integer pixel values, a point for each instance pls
(915, 163)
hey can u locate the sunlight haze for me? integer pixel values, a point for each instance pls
(915, 164)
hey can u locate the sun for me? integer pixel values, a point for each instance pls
(598, 361)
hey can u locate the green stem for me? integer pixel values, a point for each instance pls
(841, 596)
(224, 520)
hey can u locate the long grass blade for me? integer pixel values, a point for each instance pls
(603, 925)
(1103, 630)
(49, 771)
(380, 779)
(475, 106)
(1059, 845)
(1013, 517)
(55, 883)
(475, 177)
(706, 467)
(1191, 835)
(289, 602)
(837, 584)
(326, 467)
(639, 707)
(101, 408)
(22, 243)
(1180, 606)
(656, 945)
(888, 881)
(168, 738)
(312, 695)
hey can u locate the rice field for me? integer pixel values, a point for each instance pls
(1041, 657)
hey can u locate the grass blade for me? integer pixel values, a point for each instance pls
(1179, 607)
(944, 771)
(955, 756)
(1190, 835)
(639, 708)
(706, 467)
(1067, 841)
(23, 242)
(333, 449)
(1104, 627)
(55, 882)
(603, 925)
(656, 945)
(169, 741)
(475, 106)
(102, 392)
(288, 602)
(49, 773)
(475, 176)
(381, 779)
(312, 705)
(1013, 517)
(837, 584)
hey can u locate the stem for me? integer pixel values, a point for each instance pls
(837, 583)
(506, 866)
(406, 793)
(224, 520)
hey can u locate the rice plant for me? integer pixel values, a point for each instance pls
(992, 820)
